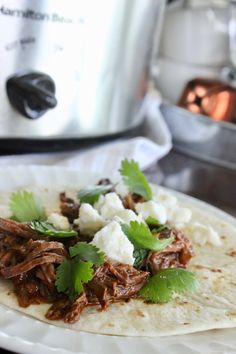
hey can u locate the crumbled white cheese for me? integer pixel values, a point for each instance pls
(153, 209)
(179, 216)
(121, 189)
(202, 234)
(114, 243)
(126, 216)
(109, 205)
(167, 199)
(89, 220)
(98, 205)
(60, 222)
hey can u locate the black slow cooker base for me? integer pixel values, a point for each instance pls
(10, 146)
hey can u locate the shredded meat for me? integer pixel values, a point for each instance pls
(67, 310)
(69, 207)
(111, 283)
(131, 199)
(31, 264)
(17, 229)
(176, 255)
(13, 249)
(115, 282)
(31, 290)
(22, 256)
(30, 260)
(40, 247)
(59, 309)
(47, 274)
(27, 265)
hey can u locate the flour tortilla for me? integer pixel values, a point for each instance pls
(212, 306)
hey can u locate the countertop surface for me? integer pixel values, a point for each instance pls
(215, 185)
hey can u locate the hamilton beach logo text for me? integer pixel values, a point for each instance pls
(36, 15)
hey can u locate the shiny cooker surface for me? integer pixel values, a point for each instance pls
(74, 68)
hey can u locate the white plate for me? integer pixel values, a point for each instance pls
(26, 335)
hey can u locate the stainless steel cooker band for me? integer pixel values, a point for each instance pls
(74, 68)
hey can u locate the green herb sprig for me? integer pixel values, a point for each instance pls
(139, 256)
(161, 287)
(91, 194)
(157, 227)
(74, 272)
(26, 206)
(135, 179)
(142, 238)
(48, 229)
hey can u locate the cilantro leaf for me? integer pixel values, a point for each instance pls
(48, 229)
(135, 179)
(64, 278)
(162, 285)
(91, 194)
(87, 252)
(139, 256)
(152, 221)
(71, 275)
(142, 238)
(25, 206)
(82, 273)
(156, 225)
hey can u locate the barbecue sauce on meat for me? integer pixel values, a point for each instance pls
(176, 255)
(69, 207)
(30, 260)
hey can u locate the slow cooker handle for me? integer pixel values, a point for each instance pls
(31, 93)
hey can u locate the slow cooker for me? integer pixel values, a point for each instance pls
(74, 69)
